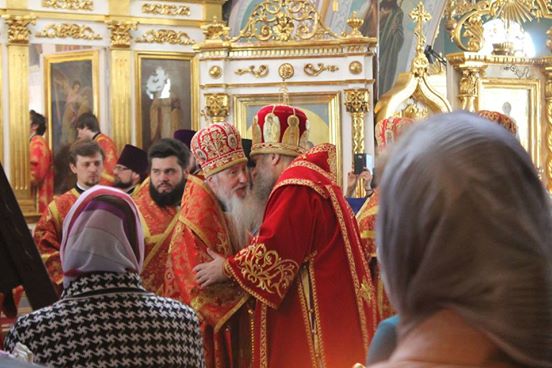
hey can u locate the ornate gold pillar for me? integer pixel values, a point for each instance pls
(357, 103)
(470, 73)
(18, 104)
(120, 81)
(548, 120)
(217, 106)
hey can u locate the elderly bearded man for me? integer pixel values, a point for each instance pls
(305, 268)
(213, 217)
(158, 199)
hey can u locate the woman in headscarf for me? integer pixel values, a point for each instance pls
(105, 318)
(464, 238)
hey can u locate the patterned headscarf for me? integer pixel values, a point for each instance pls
(102, 232)
(465, 224)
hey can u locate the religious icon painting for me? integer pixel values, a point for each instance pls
(164, 95)
(72, 88)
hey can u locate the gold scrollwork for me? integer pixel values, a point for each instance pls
(266, 269)
(75, 31)
(18, 31)
(261, 72)
(166, 36)
(355, 67)
(120, 33)
(164, 9)
(285, 20)
(69, 4)
(215, 71)
(217, 106)
(313, 71)
(469, 16)
(286, 71)
(215, 31)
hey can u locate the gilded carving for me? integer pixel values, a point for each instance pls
(286, 71)
(217, 107)
(120, 33)
(355, 23)
(166, 36)
(69, 4)
(18, 31)
(215, 71)
(469, 89)
(357, 103)
(315, 71)
(165, 9)
(469, 15)
(260, 72)
(75, 31)
(285, 20)
(420, 63)
(548, 117)
(415, 111)
(215, 31)
(355, 67)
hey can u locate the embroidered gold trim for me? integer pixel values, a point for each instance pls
(314, 167)
(304, 309)
(356, 283)
(263, 356)
(321, 355)
(304, 182)
(266, 269)
(250, 291)
(155, 248)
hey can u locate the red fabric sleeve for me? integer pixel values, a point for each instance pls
(47, 237)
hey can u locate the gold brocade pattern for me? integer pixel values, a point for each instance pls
(303, 182)
(266, 269)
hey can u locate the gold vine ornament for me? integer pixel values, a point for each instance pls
(69, 4)
(75, 31)
(164, 9)
(166, 36)
(261, 72)
(313, 71)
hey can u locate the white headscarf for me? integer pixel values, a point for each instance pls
(464, 223)
(97, 235)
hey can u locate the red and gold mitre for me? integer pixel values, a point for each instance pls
(502, 119)
(280, 129)
(217, 147)
(388, 130)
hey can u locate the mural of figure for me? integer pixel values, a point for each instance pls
(165, 110)
(76, 103)
(391, 38)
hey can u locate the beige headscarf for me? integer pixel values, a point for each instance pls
(465, 224)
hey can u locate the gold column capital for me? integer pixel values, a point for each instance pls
(120, 33)
(357, 100)
(18, 31)
(215, 31)
(217, 106)
(470, 74)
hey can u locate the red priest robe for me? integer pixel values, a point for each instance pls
(42, 171)
(307, 272)
(47, 233)
(366, 218)
(201, 225)
(157, 224)
(110, 158)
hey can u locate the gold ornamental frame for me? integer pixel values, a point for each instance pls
(194, 86)
(535, 128)
(329, 100)
(49, 60)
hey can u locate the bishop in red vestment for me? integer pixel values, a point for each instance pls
(305, 268)
(204, 224)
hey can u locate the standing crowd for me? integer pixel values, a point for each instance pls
(200, 253)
